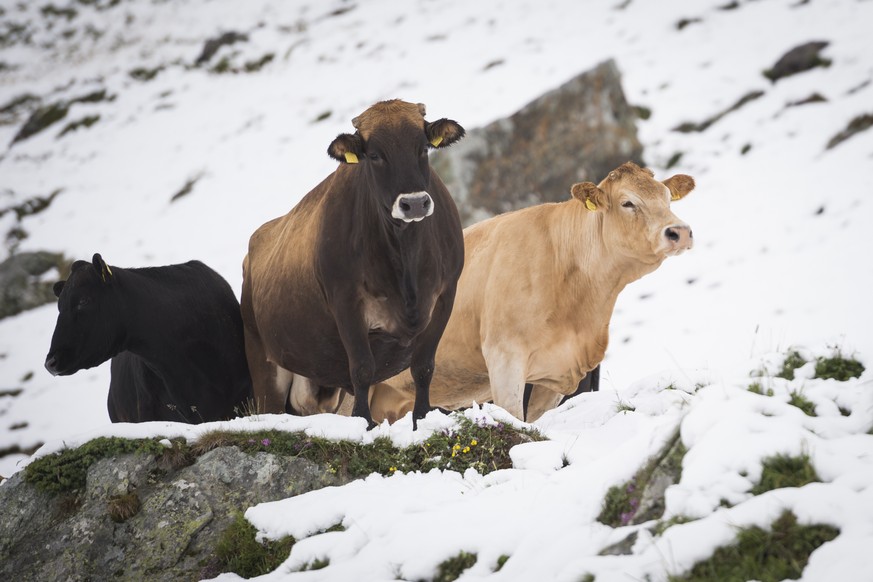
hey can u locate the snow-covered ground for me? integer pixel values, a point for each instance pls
(781, 260)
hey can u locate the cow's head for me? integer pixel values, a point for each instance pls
(89, 327)
(391, 145)
(637, 220)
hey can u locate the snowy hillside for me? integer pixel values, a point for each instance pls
(186, 161)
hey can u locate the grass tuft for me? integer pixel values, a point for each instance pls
(238, 550)
(802, 402)
(793, 360)
(769, 556)
(838, 367)
(501, 561)
(123, 507)
(451, 569)
(785, 471)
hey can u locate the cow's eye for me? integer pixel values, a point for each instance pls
(627, 204)
(83, 303)
(374, 157)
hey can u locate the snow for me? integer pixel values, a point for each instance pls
(768, 272)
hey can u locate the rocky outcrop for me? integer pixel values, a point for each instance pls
(578, 132)
(21, 281)
(137, 519)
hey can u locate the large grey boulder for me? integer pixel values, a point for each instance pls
(177, 516)
(577, 132)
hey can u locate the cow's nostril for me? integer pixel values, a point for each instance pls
(405, 207)
(671, 234)
(426, 202)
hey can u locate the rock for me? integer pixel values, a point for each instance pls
(20, 285)
(172, 536)
(797, 60)
(580, 131)
(858, 124)
(211, 46)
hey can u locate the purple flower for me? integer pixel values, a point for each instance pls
(626, 517)
(266, 442)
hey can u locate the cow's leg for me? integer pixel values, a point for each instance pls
(541, 400)
(362, 365)
(270, 383)
(424, 353)
(388, 402)
(309, 398)
(506, 372)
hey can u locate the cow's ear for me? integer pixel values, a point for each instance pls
(590, 195)
(443, 132)
(346, 148)
(102, 268)
(680, 185)
(57, 288)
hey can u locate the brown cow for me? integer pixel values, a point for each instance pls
(538, 289)
(356, 283)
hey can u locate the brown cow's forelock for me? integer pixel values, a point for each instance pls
(388, 113)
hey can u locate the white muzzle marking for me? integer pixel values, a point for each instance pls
(412, 207)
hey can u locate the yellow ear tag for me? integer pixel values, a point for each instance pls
(674, 197)
(435, 142)
(590, 205)
(106, 271)
(351, 158)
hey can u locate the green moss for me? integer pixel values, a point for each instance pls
(838, 367)
(66, 470)
(802, 402)
(793, 360)
(501, 561)
(769, 556)
(589, 577)
(451, 569)
(239, 552)
(785, 471)
(758, 389)
(484, 448)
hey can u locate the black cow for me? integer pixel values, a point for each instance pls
(174, 334)
(356, 282)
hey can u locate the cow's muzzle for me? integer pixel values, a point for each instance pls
(412, 207)
(51, 364)
(679, 238)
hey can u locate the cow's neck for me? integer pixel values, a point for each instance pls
(398, 248)
(594, 274)
(147, 329)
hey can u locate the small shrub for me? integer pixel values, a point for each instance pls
(239, 552)
(802, 402)
(451, 569)
(785, 471)
(838, 367)
(793, 360)
(758, 554)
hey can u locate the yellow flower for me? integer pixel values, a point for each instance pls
(456, 447)
(466, 450)
(474, 442)
(392, 469)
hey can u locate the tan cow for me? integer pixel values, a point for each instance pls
(538, 289)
